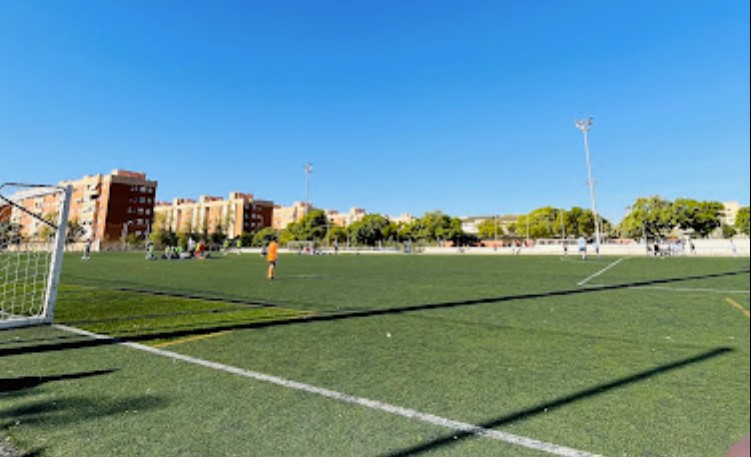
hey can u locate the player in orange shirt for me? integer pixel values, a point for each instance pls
(271, 256)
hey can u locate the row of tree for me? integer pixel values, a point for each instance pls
(650, 217)
(656, 217)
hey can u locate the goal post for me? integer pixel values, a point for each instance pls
(33, 224)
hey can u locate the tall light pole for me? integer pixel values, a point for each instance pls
(527, 226)
(308, 171)
(584, 125)
(495, 231)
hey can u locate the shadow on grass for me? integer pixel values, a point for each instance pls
(7, 449)
(29, 382)
(68, 410)
(548, 407)
(179, 332)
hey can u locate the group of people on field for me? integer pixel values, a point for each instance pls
(195, 251)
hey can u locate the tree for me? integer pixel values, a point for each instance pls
(648, 216)
(436, 225)
(742, 220)
(312, 227)
(490, 229)
(11, 233)
(338, 234)
(728, 231)
(455, 233)
(228, 220)
(246, 239)
(407, 231)
(160, 222)
(74, 232)
(46, 232)
(217, 237)
(703, 217)
(708, 218)
(370, 230)
(264, 237)
(162, 237)
(549, 222)
(541, 222)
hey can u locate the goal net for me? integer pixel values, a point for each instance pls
(33, 220)
(301, 247)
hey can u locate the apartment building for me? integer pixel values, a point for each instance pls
(239, 213)
(110, 207)
(345, 219)
(105, 207)
(38, 201)
(285, 215)
(730, 212)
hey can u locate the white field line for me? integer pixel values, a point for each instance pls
(360, 401)
(684, 289)
(581, 283)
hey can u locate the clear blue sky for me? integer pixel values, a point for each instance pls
(401, 106)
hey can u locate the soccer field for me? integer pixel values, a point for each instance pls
(384, 355)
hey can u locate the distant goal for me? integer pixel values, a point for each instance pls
(33, 221)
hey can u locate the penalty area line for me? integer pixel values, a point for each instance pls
(586, 280)
(412, 414)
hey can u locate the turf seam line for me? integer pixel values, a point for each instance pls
(354, 400)
(581, 283)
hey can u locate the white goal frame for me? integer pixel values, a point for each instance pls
(24, 264)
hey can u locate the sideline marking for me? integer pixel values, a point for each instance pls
(192, 338)
(581, 283)
(736, 305)
(351, 399)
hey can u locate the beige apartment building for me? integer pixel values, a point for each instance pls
(241, 212)
(285, 215)
(106, 207)
(345, 219)
(730, 212)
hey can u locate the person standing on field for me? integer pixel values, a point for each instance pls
(582, 247)
(271, 256)
(87, 250)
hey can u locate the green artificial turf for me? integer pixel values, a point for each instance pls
(648, 358)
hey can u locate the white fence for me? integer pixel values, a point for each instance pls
(703, 248)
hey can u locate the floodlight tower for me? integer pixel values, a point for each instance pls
(584, 125)
(308, 171)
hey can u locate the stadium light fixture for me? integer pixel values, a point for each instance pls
(584, 125)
